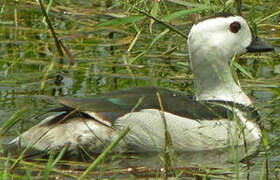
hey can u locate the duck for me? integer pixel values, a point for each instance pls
(218, 116)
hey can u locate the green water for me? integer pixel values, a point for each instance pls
(106, 59)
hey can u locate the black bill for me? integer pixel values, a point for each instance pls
(258, 45)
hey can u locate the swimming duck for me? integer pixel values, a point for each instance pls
(204, 122)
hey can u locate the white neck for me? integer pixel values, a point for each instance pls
(213, 77)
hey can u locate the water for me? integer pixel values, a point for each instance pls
(29, 65)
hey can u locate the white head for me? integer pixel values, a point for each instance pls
(212, 43)
(228, 35)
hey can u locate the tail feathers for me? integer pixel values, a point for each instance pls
(27, 145)
(77, 134)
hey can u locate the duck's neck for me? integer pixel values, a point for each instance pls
(213, 79)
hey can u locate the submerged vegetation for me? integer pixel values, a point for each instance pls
(106, 45)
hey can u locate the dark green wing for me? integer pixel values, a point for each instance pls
(109, 106)
(137, 99)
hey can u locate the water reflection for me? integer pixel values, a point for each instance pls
(223, 163)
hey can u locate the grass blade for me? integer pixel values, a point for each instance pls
(172, 28)
(183, 13)
(120, 21)
(104, 154)
(12, 121)
(190, 4)
(51, 163)
(244, 71)
(151, 45)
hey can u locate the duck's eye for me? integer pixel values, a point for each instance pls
(234, 27)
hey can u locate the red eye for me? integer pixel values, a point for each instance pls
(234, 27)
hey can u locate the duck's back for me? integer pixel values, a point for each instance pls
(90, 124)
